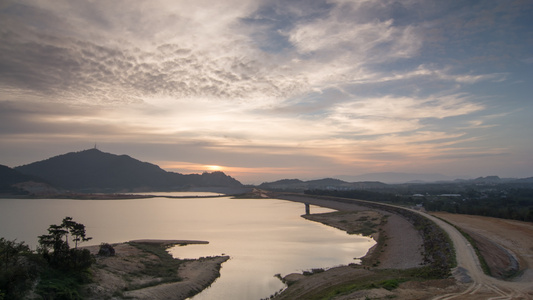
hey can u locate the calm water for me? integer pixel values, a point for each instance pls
(263, 237)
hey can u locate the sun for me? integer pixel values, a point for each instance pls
(214, 168)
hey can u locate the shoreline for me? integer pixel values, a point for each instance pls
(384, 267)
(168, 243)
(221, 191)
(143, 269)
(398, 243)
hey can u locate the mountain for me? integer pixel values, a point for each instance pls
(10, 176)
(394, 177)
(14, 182)
(297, 185)
(96, 171)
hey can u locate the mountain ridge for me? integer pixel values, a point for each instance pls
(325, 183)
(397, 177)
(95, 171)
(13, 182)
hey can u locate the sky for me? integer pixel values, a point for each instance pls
(266, 90)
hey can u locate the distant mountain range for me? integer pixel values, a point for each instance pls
(399, 178)
(96, 171)
(297, 185)
(396, 177)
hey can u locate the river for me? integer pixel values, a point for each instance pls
(263, 237)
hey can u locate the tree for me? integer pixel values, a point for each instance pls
(57, 240)
(78, 233)
(16, 272)
(54, 239)
(10, 251)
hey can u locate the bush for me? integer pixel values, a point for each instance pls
(106, 250)
(390, 284)
(17, 271)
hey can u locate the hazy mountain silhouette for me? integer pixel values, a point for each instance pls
(395, 177)
(10, 177)
(323, 184)
(94, 170)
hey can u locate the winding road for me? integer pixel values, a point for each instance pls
(481, 285)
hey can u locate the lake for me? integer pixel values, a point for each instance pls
(263, 237)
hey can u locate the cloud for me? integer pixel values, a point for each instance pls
(342, 84)
(206, 57)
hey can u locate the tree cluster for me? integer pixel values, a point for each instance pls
(60, 269)
(507, 201)
(57, 239)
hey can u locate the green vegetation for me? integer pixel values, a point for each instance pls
(388, 279)
(60, 270)
(515, 204)
(500, 199)
(17, 271)
(164, 268)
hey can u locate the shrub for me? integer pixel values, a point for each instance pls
(106, 250)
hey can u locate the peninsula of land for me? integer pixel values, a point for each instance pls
(143, 269)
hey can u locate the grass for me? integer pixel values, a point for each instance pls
(57, 284)
(165, 268)
(388, 279)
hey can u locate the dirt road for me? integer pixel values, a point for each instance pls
(469, 269)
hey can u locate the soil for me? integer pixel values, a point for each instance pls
(501, 241)
(122, 275)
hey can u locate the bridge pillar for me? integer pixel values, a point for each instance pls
(307, 209)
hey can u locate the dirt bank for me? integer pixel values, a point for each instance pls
(500, 240)
(403, 245)
(144, 270)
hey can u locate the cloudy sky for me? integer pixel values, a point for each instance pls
(272, 89)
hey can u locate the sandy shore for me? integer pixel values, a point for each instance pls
(403, 242)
